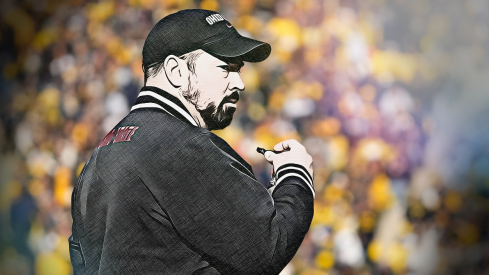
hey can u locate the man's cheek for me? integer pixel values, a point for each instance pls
(206, 80)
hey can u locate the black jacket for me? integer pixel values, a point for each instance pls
(160, 195)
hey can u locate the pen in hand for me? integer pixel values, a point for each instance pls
(263, 151)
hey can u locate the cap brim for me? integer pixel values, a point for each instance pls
(235, 45)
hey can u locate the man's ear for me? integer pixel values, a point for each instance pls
(176, 71)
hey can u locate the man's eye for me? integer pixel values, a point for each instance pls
(225, 67)
(231, 68)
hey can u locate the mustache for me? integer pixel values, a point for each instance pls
(234, 97)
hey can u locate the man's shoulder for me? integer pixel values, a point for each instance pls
(144, 133)
(156, 137)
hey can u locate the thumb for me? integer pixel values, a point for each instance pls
(269, 156)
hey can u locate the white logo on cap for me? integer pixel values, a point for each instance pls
(211, 19)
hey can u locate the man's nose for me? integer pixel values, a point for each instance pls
(235, 82)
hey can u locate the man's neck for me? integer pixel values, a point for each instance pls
(190, 107)
(176, 93)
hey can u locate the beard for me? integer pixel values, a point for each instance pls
(215, 118)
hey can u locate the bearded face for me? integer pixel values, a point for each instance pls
(217, 118)
(214, 90)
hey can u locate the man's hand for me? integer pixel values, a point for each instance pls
(291, 151)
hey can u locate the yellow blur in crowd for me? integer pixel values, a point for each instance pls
(328, 83)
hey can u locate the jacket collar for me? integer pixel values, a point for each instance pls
(153, 97)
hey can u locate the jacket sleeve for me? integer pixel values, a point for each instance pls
(228, 217)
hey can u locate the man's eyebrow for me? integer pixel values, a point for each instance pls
(231, 61)
(231, 67)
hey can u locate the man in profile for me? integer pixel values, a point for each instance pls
(161, 194)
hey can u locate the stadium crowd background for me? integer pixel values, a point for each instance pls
(390, 98)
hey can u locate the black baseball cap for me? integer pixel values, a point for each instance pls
(189, 30)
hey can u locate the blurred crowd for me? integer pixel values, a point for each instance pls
(376, 90)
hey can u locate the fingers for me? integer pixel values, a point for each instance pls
(279, 147)
(287, 145)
